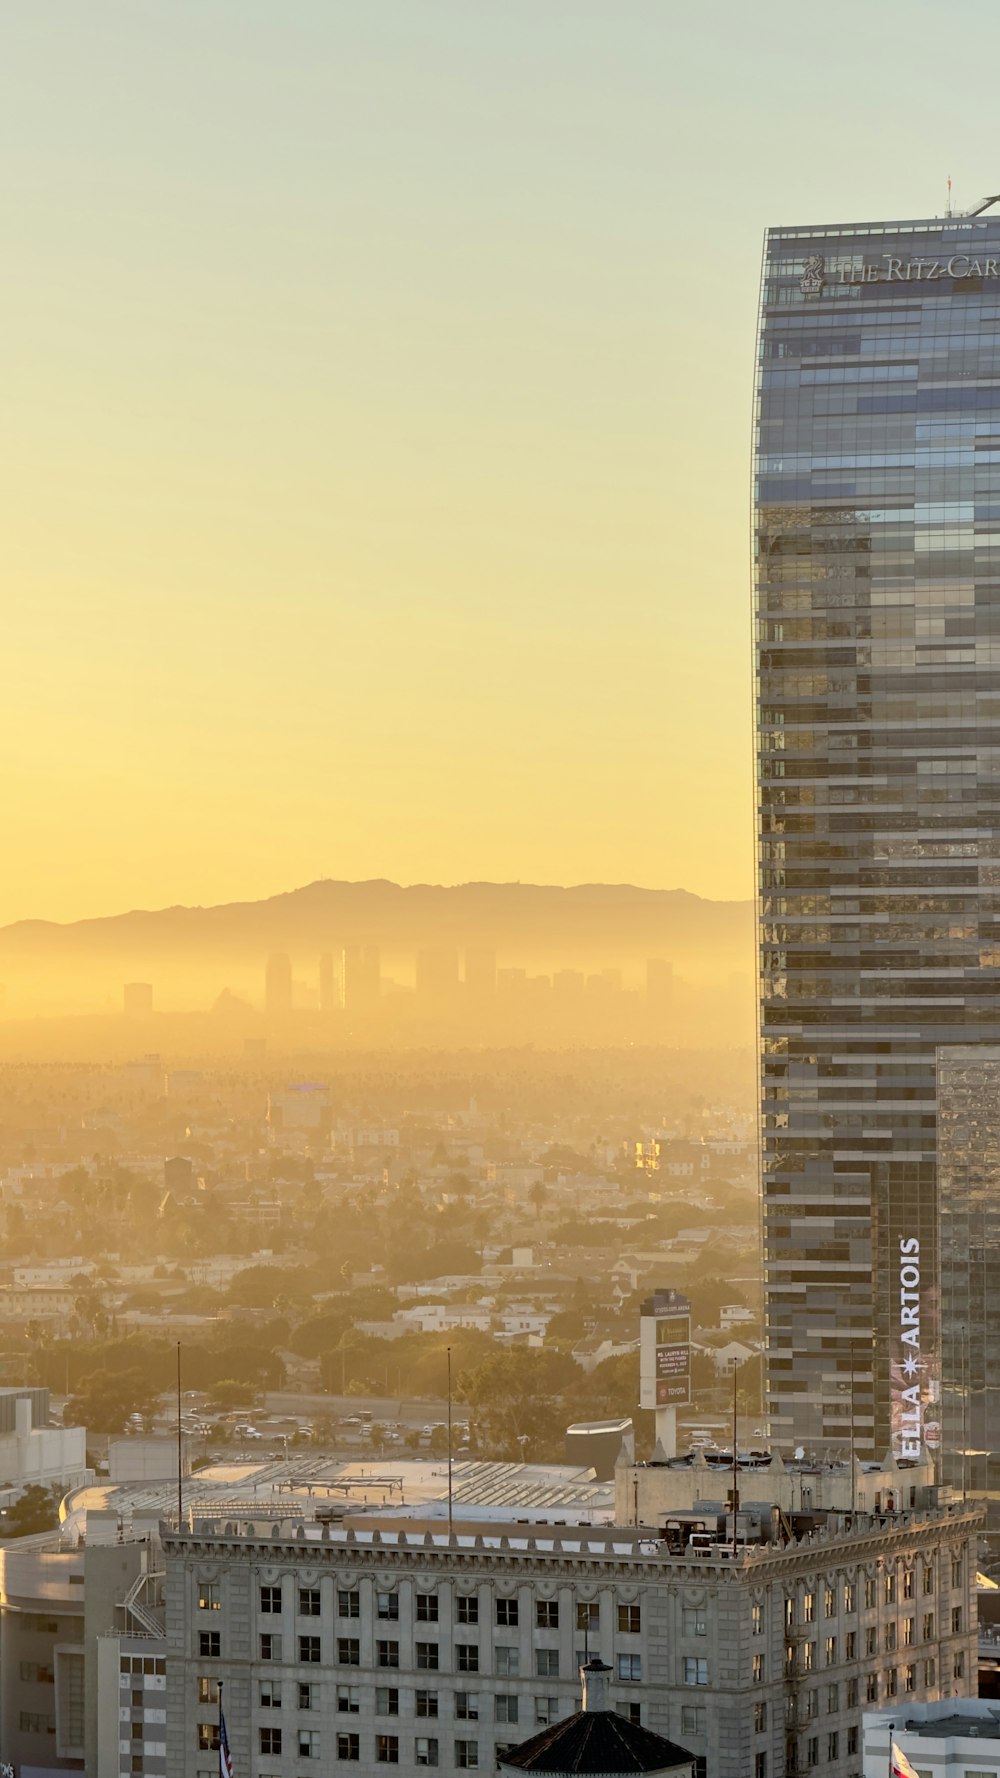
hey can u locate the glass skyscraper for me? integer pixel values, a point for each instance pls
(877, 556)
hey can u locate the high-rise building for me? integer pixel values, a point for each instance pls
(878, 753)
(360, 978)
(969, 1317)
(137, 1000)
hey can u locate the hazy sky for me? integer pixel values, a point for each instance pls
(376, 414)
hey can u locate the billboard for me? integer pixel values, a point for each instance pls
(665, 1351)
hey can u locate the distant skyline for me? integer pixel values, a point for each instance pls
(377, 390)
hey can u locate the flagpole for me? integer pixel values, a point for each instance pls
(451, 1520)
(221, 1684)
(180, 1448)
(892, 1731)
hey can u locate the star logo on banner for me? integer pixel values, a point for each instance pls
(911, 1366)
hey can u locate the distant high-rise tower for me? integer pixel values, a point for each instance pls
(878, 764)
(278, 985)
(361, 978)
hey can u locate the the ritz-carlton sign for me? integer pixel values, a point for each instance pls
(896, 270)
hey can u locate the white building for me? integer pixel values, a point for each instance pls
(946, 1739)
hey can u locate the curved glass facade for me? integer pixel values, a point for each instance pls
(877, 556)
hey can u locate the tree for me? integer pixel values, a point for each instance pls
(105, 1400)
(37, 1509)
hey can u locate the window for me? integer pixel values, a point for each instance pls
(309, 1605)
(833, 1747)
(208, 1690)
(427, 1657)
(808, 1656)
(909, 1679)
(808, 1608)
(956, 1571)
(387, 1605)
(349, 1651)
(693, 1622)
(270, 1646)
(506, 1663)
(467, 1608)
(588, 1615)
(693, 1718)
(308, 1743)
(547, 1663)
(848, 1595)
(756, 1620)
(832, 1700)
(387, 1700)
(630, 1667)
(789, 1613)
(830, 1652)
(930, 1673)
(467, 1755)
(630, 1619)
(956, 1620)
(760, 1718)
(891, 1682)
(208, 1736)
(871, 1688)
(928, 1626)
(309, 1649)
(348, 1699)
(210, 1644)
(909, 1583)
(852, 1694)
(507, 1611)
(829, 1602)
(871, 1639)
(928, 1578)
(695, 1671)
(386, 1654)
(890, 1589)
(270, 1599)
(812, 1751)
(505, 1707)
(268, 1694)
(851, 1645)
(467, 1657)
(890, 1636)
(427, 1608)
(909, 1631)
(546, 1712)
(208, 1597)
(427, 1703)
(547, 1614)
(467, 1706)
(305, 1695)
(270, 1740)
(348, 1746)
(852, 1740)
(958, 1665)
(425, 1751)
(387, 1750)
(757, 1669)
(869, 1594)
(348, 1603)
(811, 1705)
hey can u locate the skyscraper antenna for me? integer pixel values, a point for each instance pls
(948, 209)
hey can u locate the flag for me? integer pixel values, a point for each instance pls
(225, 1757)
(898, 1763)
